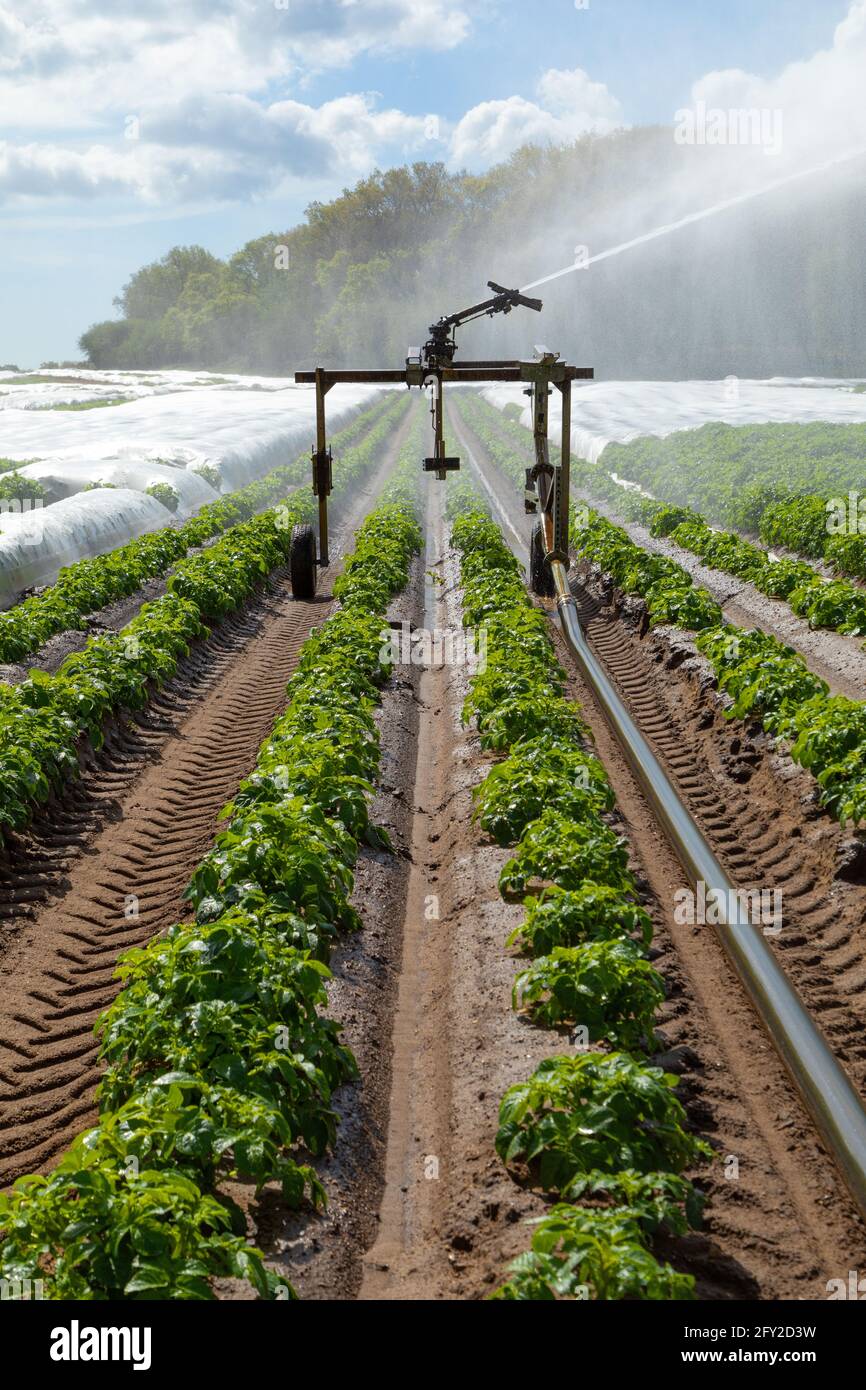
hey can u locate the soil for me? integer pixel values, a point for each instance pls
(106, 868)
(420, 1207)
(837, 659)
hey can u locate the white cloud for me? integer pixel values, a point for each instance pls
(338, 138)
(40, 171)
(572, 95)
(69, 61)
(820, 98)
(152, 175)
(569, 105)
(192, 73)
(225, 147)
(197, 79)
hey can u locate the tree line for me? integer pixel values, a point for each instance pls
(771, 288)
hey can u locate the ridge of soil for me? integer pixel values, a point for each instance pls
(106, 868)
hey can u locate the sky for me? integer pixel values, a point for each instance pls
(130, 126)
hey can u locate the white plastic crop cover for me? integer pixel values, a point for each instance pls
(242, 426)
(35, 544)
(606, 412)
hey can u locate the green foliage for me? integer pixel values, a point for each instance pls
(667, 588)
(829, 738)
(664, 519)
(556, 849)
(837, 605)
(14, 486)
(592, 912)
(595, 1111)
(578, 1255)
(228, 1004)
(111, 1233)
(519, 694)
(799, 523)
(539, 772)
(659, 1201)
(721, 549)
(847, 554)
(605, 986)
(731, 473)
(779, 579)
(383, 547)
(763, 677)
(210, 473)
(164, 493)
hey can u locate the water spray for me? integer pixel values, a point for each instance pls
(693, 217)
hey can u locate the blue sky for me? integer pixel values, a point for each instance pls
(248, 109)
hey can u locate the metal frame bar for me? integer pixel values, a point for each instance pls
(414, 376)
(553, 482)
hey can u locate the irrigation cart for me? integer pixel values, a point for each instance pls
(547, 485)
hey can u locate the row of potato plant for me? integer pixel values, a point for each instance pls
(219, 1061)
(88, 585)
(601, 1130)
(45, 718)
(766, 680)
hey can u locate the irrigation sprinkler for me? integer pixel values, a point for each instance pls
(430, 368)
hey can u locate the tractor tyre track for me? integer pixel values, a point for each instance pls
(105, 868)
(784, 1224)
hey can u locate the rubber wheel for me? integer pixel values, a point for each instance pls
(540, 578)
(302, 562)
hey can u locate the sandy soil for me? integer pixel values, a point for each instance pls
(839, 660)
(106, 868)
(420, 1206)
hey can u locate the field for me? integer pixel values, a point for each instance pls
(344, 952)
(165, 445)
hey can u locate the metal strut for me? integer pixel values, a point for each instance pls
(438, 463)
(431, 368)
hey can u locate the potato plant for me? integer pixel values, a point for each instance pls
(220, 1063)
(608, 1119)
(82, 588)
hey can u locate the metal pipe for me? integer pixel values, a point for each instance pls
(829, 1096)
(322, 389)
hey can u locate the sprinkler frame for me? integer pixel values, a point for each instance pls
(547, 485)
